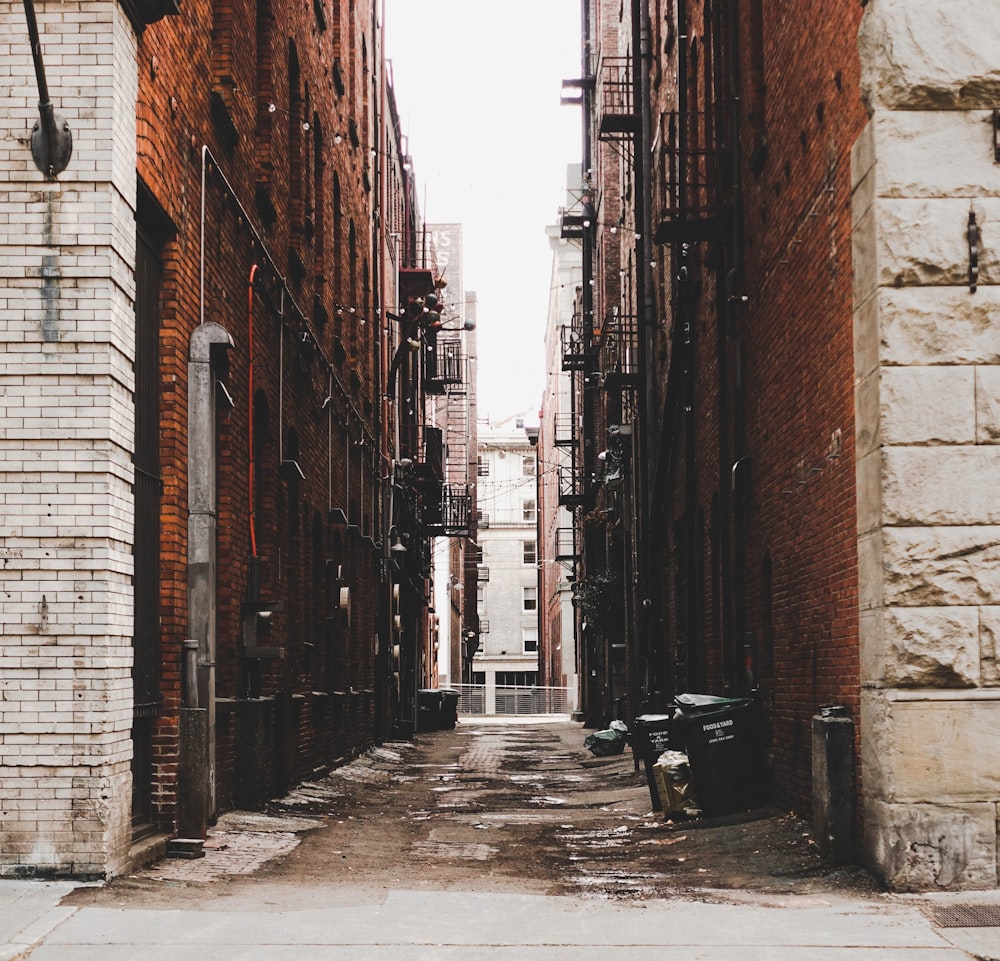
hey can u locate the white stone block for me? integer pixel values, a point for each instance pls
(919, 54)
(944, 748)
(941, 566)
(939, 325)
(930, 486)
(928, 153)
(928, 405)
(931, 847)
(988, 405)
(925, 241)
(931, 647)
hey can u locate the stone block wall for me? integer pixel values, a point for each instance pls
(927, 361)
(66, 416)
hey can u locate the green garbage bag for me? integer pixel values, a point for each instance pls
(606, 743)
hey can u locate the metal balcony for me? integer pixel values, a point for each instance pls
(619, 353)
(448, 515)
(565, 430)
(617, 116)
(429, 468)
(482, 574)
(574, 347)
(566, 544)
(690, 203)
(445, 364)
(575, 485)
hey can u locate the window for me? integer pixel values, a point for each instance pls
(530, 639)
(516, 678)
(480, 601)
(529, 553)
(527, 465)
(528, 510)
(484, 467)
(529, 598)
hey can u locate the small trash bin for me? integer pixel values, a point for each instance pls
(723, 742)
(650, 737)
(449, 708)
(428, 709)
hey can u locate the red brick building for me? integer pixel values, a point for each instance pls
(261, 485)
(782, 437)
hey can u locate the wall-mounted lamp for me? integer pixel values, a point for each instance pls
(51, 139)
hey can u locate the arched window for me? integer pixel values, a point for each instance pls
(265, 87)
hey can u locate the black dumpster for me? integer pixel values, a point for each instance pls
(722, 738)
(428, 709)
(449, 708)
(650, 737)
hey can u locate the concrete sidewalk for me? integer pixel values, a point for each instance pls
(318, 924)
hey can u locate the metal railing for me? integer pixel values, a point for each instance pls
(619, 359)
(504, 699)
(617, 115)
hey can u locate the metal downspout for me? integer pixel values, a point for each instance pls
(202, 522)
(647, 323)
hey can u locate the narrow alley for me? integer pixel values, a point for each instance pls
(503, 839)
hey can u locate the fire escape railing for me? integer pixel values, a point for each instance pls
(619, 351)
(576, 485)
(617, 117)
(564, 426)
(448, 514)
(445, 364)
(575, 350)
(690, 198)
(566, 549)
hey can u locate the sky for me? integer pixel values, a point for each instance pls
(478, 89)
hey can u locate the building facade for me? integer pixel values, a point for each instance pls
(783, 355)
(507, 561)
(559, 550)
(455, 413)
(218, 486)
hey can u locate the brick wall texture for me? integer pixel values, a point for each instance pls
(240, 138)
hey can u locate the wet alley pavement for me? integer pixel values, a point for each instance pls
(499, 840)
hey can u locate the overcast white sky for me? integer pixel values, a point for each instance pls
(478, 86)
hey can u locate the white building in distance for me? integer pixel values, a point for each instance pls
(507, 590)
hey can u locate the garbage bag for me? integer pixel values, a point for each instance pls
(606, 743)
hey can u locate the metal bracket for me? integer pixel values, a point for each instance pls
(973, 236)
(51, 143)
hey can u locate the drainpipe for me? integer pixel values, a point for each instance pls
(207, 345)
(646, 323)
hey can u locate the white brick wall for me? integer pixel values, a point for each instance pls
(66, 428)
